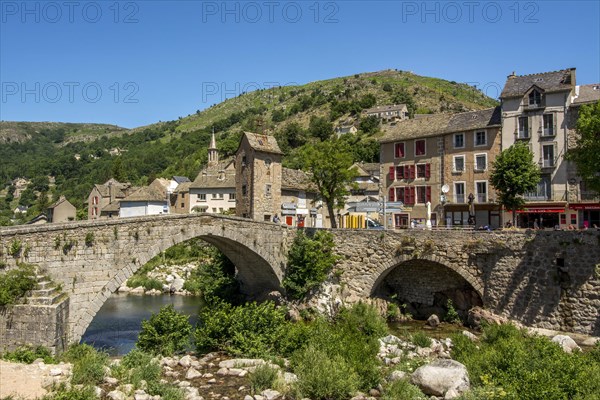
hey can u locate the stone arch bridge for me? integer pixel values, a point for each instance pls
(546, 279)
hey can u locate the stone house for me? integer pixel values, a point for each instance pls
(541, 110)
(471, 145)
(258, 174)
(62, 211)
(396, 112)
(299, 205)
(103, 200)
(411, 158)
(148, 200)
(20, 185)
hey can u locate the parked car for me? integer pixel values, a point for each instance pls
(372, 224)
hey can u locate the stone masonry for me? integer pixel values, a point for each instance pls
(546, 279)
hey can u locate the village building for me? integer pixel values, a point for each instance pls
(258, 177)
(393, 112)
(62, 211)
(20, 185)
(299, 205)
(363, 201)
(103, 200)
(148, 200)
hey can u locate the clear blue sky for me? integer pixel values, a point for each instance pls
(133, 63)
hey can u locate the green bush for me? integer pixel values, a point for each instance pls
(145, 282)
(165, 333)
(71, 393)
(88, 364)
(251, 329)
(451, 313)
(402, 389)
(14, 284)
(322, 376)
(28, 354)
(420, 339)
(214, 280)
(309, 261)
(527, 367)
(263, 377)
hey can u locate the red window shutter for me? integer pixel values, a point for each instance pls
(412, 171)
(428, 192)
(392, 194)
(412, 195)
(406, 197)
(427, 170)
(399, 172)
(392, 173)
(407, 172)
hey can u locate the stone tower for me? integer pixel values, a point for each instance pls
(258, 177)
(213, 153)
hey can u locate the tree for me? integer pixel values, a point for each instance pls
(165, 333)
(320, 127)
(513, 174)
(369, 125)
(586, 154)
(403, 97)
(329, 163)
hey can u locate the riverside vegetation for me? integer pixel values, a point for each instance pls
(317, 357)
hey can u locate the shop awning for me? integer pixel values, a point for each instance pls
(541, 211)
(591, 206)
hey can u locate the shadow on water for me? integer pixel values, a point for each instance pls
(116, 327)
(405, 329)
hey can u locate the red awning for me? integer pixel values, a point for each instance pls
(592, 206)
(541, 210)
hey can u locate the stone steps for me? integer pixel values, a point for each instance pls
(46, 293)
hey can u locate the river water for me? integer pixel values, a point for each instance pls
(116, 326)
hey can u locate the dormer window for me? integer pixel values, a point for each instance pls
(535, 98)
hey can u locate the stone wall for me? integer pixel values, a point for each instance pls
(34, 325)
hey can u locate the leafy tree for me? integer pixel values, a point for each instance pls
(329, 163)
(278, 115)
(42, 202)
(513, 174)
(587, 153)
(27, 197)
(387, 87)
(309, 261)
(40, 183)
(369, 125)
(368, 101)
(320, 128)
(165, 333)
(403, 97)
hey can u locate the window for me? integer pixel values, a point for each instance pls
(400, 193)
(202, 197)
(268, 190)
(459, 140)
(423, 194)
(220, 209)
(399, 150)
(480, 162)
(459, 163)
(548, 155)
(542, 191)
(400, 172)
(182, 205)
(268, 162)
(243, 161)
(574, 219)
(214, 196)
(481, 189)
(423, 170)
(221, 196)
(244, 190)
(480, 138)
(563, 219)
(231, 196)
(535, 98)
(267, 218)
(548, 120)
(459, 192)
(214, 209)
(523, 128)
(419, 147)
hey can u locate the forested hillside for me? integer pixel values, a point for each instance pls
(79, 155)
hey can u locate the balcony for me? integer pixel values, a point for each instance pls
(534, 106)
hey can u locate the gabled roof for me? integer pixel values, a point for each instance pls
(183, 187)
(118, 187)
(111, 207)
(587, 94)
(553, 81)
(62, 199)
(181, 179)
(263, 143)
(224, 180)
(366, 169)
(440, 124)
(295, 179)
(147, 193)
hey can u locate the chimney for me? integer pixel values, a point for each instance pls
(513, 75)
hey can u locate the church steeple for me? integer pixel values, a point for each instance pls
(213, 154)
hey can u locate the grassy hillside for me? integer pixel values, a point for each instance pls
(60, 132)
(79, 155)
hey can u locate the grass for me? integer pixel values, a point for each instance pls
(420, 339)
(28, 354)
(264, 377)
(88, 364)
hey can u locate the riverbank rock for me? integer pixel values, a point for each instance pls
(477, 315)
(567, 343)
(447, 378)
(433, 321)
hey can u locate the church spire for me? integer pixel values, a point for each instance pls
(213, 154)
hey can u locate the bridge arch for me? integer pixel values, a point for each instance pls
(259, 268)
(424, 280)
